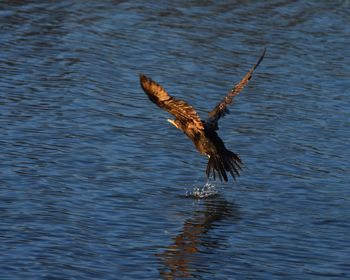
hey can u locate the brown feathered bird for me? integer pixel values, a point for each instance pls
(202, 133)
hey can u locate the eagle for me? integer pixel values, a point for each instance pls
(202, 133)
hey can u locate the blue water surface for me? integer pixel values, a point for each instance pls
(95, 184)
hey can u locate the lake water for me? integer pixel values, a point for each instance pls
(95, 184)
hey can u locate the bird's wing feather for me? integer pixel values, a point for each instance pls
(221, 109)
(178, 108)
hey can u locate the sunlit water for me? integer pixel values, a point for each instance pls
(95, 184)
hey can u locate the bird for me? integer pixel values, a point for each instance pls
(202, 133)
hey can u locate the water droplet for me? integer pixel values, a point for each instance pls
(208, 190)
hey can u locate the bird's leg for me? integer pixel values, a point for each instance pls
(172, 122)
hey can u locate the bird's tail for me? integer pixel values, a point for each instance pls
(223, 162)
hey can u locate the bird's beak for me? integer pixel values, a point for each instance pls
(172, 122)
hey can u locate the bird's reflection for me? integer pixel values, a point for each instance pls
(177, 258)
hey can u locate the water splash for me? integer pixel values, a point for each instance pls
(208, 190)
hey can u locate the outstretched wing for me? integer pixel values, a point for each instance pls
(178, 108)
(221, 109)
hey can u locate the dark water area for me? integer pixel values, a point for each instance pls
(95, 184)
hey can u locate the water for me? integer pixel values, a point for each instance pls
(95, 184)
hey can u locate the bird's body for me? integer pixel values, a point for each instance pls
(202, 133)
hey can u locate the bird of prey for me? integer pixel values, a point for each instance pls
(202, 133)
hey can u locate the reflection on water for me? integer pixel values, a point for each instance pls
(178, 259)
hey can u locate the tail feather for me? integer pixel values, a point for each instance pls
(223, 162)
